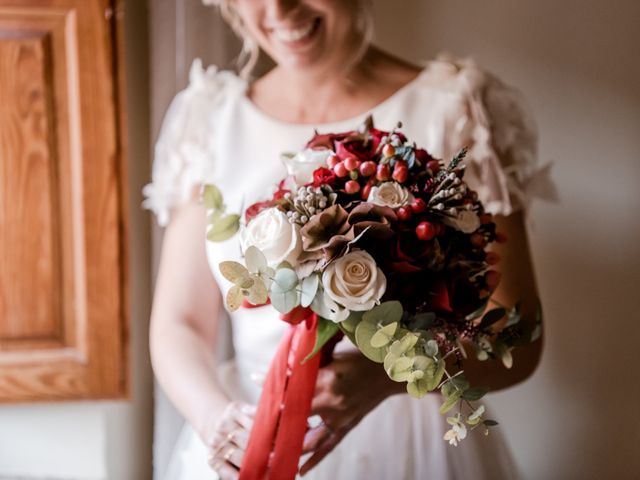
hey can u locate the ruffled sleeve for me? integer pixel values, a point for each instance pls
(184, 151)
(501, 134)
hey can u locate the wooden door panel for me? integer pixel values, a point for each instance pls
(62, 226)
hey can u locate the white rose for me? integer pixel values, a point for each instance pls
(354, 281)
(466, 221)
(302, 165)
(271, 232)
(390, 194)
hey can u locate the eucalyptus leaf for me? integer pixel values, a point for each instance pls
(258, 293)
(475, 393)
(283, 302)
(435, 374)
(309, 288)
(400, 370)
(285, 280)
(491, 317)
(326, 329)
(233, 271)
(384, 335)
(255, 260)
(352, 321)
(402, 346)
(431, 348)
(224, 228)
(417, 389)
(451, 401)
(364, 332)
(385, 313)
(476, 414)
(212, 197)
(460, 382)
(234, 298)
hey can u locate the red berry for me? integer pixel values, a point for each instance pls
(368, 168)
(501, 237)
(404, 214)
(383, 173)
(333, 160)
(400, 163)
(492, 278)
(492, 258)
(388, 150)
(340, 170)
(478, 240)
(426, 231)
(418, 205)
(433, 165)
(400, 174)
(352, 187)
(351, 163)
(366, 190)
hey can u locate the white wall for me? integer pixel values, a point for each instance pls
(578, 62)
(100, 440)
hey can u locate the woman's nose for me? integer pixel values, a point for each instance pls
(279, 9)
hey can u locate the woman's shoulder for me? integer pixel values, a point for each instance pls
(210, 83)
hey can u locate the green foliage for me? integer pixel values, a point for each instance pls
(326, 329)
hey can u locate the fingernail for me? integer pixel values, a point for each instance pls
(248, 409)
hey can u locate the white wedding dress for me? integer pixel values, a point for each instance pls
(212, 133)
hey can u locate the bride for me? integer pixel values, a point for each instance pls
(226, 130)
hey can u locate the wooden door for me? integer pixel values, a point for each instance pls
(62, 221)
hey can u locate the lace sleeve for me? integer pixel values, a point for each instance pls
(184, 154)
(503, 142)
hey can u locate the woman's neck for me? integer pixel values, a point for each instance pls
(298, 96)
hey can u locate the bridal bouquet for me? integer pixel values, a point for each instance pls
(371, 237)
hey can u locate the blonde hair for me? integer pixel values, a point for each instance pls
(250, 52)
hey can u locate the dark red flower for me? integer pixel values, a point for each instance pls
(323, 176)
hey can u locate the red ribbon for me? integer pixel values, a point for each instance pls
(280, 423)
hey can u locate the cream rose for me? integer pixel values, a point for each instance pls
(271, 232)
(302, 165)
(466, 221)
(390, 194)
(354, 281)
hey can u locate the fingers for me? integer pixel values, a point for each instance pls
(322, 452)
(315, 437)
(230, 439)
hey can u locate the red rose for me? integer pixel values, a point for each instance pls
(355, 148)
(323, 176)
(256, 208)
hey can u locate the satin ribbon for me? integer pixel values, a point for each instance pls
(280, 423)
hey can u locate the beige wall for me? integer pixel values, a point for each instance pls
(101, 440)
(577, 61)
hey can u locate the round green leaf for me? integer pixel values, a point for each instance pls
(364, 332)
(285, 280)
(309, 288)
(284, 302)
(212, 197)
(385, 313)
(417, 389)
(224, 228)
(258, 293)
(233, 271)
(234, 298)
(384, 335)
(255, 260)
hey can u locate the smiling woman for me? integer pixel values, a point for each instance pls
(229, 130)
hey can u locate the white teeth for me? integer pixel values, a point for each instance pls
(290, 35)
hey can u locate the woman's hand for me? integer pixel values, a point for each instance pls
(228, 440)
(346, 390)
